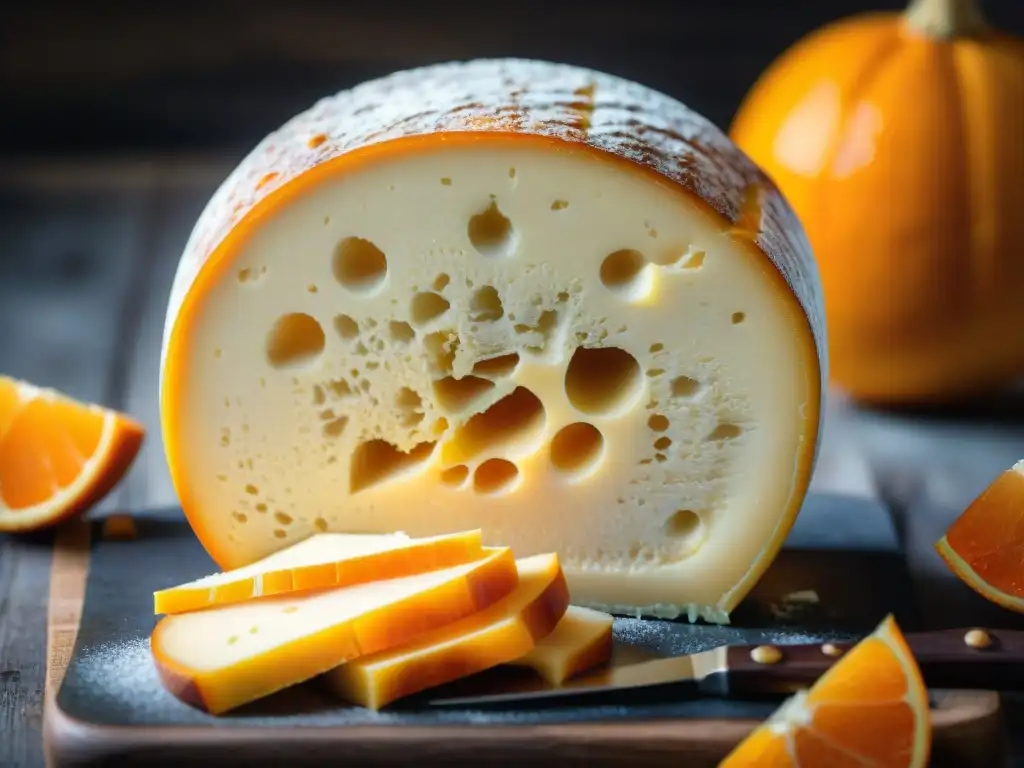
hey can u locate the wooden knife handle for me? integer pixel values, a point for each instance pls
(944, 656)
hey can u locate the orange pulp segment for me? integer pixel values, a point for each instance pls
(870, 708)
(984, 547)
(58, 456)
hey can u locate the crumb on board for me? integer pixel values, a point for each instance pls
(120, 527)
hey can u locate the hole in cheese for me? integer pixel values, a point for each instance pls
(738, 317)
(559, 205)
(335, 427)
(441, 282)
(683, 524)
(684, 386)
(658, 422)
(410, 407)
(440, 350)
(359, 265)
(427, 306)
(456, 395)
(662, 443)
(514, 422)
(486, 305)
(339, 388)
(602, 381)
(295, 339)
(497, 367)
(401, 331)
(577, 449)
(491, 232)
(626, 272)
(693, 260)
(455, 477)
(495, 476)
(377, 461)
(346, 327)
(725, 432)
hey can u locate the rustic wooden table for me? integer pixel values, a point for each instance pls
(87, 253)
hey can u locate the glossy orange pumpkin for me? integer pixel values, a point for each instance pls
(899, 141)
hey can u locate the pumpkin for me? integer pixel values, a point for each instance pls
(898, 138)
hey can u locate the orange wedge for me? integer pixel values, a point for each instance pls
(323, 561)
(502, 633)
(985, 545)
(870, 708)
(58, 456)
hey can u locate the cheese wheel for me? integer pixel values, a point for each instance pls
(510, 295)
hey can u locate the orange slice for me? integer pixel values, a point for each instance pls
(869, 709)
(503, 632)
(323, 561)
(58, 456)
(984, 547)
(581, 641)
(221, 658)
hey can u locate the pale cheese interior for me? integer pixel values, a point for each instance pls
(213, 639)
(327, 374)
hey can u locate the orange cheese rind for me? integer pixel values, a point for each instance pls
(581, 641)
(333, 560)
(494, 105)
(201, 657)
(503, 632)
(982, 546)
(34, 421)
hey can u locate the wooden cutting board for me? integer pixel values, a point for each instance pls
(111, 708)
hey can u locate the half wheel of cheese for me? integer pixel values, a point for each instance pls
(510, 295)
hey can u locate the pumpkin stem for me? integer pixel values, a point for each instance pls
(946, 19)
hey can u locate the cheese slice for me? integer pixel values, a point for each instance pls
(323, 561)
(502, 633)
(510, 295)
(221, 658)
(581, 641)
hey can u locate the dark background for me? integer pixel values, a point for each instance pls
(130, 76)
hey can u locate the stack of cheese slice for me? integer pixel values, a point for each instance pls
(383, 616)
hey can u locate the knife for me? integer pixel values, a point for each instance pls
(949, 658)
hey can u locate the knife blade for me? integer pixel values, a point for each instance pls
(944, 656)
